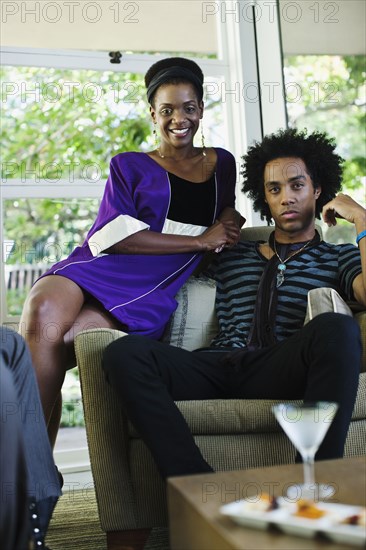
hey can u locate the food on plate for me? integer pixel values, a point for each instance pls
(308, 509)
(356, 519)
(266, 503)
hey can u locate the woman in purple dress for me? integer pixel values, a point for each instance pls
(160, 212)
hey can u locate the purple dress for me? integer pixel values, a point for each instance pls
(139, 290)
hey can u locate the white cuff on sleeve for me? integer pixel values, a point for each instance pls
(115, 231)
(179, 228)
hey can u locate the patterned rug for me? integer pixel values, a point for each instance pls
(75, 525)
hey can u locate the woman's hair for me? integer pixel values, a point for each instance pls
(173, 70)
(316, 150)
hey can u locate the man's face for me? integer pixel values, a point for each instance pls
(290, 194)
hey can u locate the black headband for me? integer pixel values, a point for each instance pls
(165, 75)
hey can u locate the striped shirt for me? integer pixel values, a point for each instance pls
(238, 272)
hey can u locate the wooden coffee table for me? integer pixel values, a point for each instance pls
(194, 502)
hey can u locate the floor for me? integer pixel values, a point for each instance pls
(71, 444)
(69, 438)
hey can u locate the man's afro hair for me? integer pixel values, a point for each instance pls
(316, 150)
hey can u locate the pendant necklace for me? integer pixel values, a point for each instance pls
(281, 268)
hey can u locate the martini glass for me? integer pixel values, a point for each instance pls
(306, 425)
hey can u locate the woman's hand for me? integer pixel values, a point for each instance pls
(230, 214)
(221, 234)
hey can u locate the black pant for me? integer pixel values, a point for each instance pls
(27, 469)
(14, 520)
(319, 362)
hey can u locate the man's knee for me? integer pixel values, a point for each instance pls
(120, 354)
(337, 325)
(339, 335)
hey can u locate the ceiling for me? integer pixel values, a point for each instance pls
(139, 26)
(308, 26)
(323, 27)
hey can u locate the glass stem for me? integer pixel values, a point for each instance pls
(308, 461)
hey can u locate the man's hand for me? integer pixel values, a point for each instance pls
(229, 213)
(343, 206)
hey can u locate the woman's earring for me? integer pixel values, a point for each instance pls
(203, 141)
(156, 141)
(155, 134)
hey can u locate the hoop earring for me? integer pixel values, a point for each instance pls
(203, 141)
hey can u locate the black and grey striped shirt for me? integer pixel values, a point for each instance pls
(238, 271)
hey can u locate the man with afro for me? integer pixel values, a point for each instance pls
(263, 349)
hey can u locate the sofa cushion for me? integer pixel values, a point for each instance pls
(323, 300)
(193, 324)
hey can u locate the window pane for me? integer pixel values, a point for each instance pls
(327, 93)
(67, 124)
(38, 233)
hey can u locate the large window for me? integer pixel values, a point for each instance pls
(327, 93)
(325, 89)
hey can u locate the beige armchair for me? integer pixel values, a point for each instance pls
(232, 434)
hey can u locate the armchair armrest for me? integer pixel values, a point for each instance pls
(106, 427)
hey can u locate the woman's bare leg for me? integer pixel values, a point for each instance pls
(92, 315)
(49, 312)
(54, 312)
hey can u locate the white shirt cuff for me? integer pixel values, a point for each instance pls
(179, 228)
(116, 230)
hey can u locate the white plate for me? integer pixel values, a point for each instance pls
(240, 513)
(347, 534)
(283, 518)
